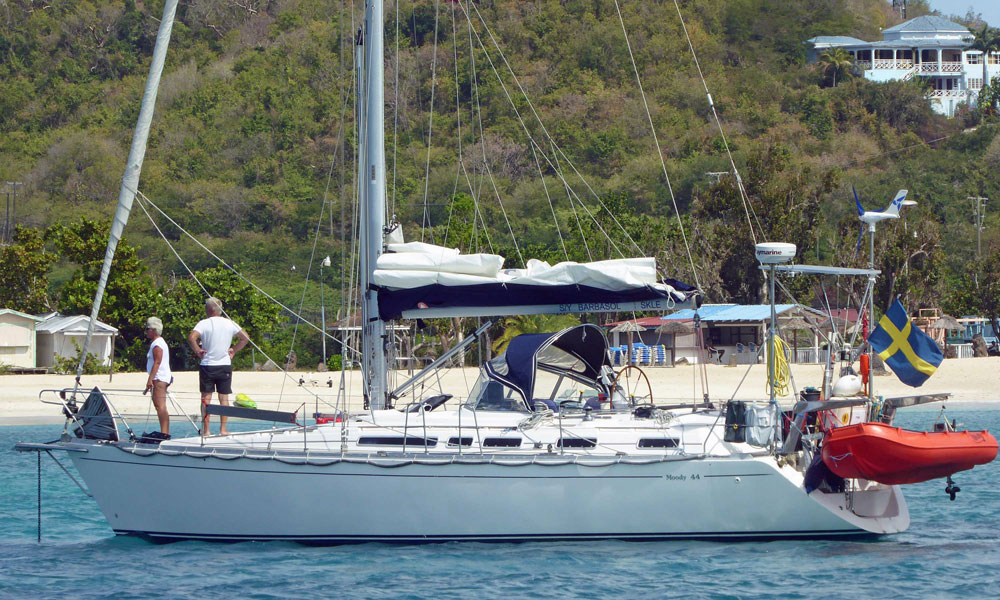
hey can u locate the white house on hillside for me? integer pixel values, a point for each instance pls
(929, 47)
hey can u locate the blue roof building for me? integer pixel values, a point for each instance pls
(928, 47)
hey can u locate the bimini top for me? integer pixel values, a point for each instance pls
(577, 353)
(418, 280)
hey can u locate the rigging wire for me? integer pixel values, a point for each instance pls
(460, 167)
(572, 205)
(659, 150)
(395, 110)
(143, 202)
(744, 198)
(426, 223)
(541, 124)
(220, 260)
(555, 219)
(486, 165)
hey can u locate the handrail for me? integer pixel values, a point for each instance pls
(412, 381)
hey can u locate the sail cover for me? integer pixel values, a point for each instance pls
(422, 280)
(577, 352)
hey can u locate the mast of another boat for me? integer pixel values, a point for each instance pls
(133, 167)
(371, 194)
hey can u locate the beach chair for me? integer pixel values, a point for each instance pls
(645, 355)
(616, 355)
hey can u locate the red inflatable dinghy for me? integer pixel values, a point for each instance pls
(891, 455)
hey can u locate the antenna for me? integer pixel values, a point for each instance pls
(771, 254)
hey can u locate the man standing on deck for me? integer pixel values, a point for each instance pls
(216, 371)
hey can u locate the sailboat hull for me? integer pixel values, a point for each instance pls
(187, 496)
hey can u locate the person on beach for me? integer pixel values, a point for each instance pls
(158, 367)
(215, 374)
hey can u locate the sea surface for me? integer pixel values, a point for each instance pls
(952, 550)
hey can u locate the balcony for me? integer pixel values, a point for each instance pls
(946, 67)
(948, 93)
(883, 63)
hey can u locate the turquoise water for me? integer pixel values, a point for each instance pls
(952, 550)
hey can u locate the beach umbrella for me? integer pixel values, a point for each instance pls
(676, 326)
(946, 322)
(796, 323)
(628, 327)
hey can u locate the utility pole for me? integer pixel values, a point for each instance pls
(979, 216)
(11, 211)
(900, 5)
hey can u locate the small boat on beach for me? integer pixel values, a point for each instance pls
(896, 456)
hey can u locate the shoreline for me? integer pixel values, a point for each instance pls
(971, 381)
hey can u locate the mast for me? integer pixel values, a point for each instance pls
(133, 166)
(871, 308)
(372, 197)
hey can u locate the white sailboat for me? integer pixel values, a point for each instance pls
(549, 445)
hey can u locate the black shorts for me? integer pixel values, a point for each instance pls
(215, 378)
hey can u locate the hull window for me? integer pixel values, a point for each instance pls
(577, 442)
(396, 441)
(502, 442)
(658, 443)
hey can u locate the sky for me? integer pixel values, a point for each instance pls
(990, 9)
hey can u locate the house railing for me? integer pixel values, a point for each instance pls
(810, 355)
(884, 63)
(946, 67)
(962, 350)
(947, 93)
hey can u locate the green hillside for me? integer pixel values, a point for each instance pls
(252, 145)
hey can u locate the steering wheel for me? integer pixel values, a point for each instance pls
(634, 384)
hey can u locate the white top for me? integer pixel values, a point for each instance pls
(216, 337)
(416, 264)
(163, 373)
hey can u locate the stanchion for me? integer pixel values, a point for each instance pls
(38, 455)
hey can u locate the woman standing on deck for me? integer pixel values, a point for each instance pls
(158, 367)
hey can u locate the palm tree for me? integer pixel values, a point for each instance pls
(515, 326)
(836, 60)
(987, 40)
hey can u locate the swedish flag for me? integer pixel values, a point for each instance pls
(911, 354)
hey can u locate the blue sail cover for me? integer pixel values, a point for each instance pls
(573, 298)
(577, 352)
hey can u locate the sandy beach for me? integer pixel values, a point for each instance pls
(970, 381)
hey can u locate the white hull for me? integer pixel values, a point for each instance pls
(192, 494)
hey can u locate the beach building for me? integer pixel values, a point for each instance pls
(929, 47)
(17, 339)
(733, 333)
(64, 336)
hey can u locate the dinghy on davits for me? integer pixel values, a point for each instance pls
(895, 456)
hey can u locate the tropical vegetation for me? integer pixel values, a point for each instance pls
(251, 150)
